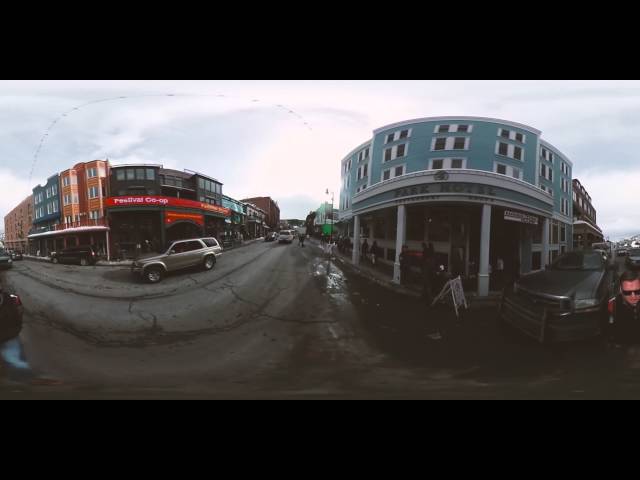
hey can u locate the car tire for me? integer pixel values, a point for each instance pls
(153, 274)
(209, 262)
(54, 260)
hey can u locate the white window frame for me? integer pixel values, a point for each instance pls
(93, 189)
(453, 128)
(396, 135)
(449, 143)
(394, 152)
(512, 135)
(392, 171)
(446, 163)
(510, 150)
(509, 170)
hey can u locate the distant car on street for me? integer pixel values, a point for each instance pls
(5, 259)
(181, 254)
(17, 256)
(566, 301)
(633, 258)
(621, 252)
(83, 255)
(285, 236)
(11, 311)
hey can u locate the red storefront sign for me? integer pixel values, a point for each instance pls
(158, 201)
(172, 217)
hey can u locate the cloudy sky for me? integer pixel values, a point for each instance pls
(285, 139)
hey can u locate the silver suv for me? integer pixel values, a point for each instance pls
(180, 254)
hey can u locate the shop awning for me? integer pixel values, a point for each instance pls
(69, 230)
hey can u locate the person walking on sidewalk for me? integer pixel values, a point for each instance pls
(374, 252)
(365, 249)
(404, 265)
(301, 239)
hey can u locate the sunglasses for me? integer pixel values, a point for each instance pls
(629, 292)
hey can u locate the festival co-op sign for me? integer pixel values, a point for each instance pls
(158, 201)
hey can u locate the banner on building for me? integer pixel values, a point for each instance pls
(520, 217)
(173, 217)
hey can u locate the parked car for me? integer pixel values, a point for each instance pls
(82, 254)
(5, 259)
(11, 311)
(181, 254)
(285, 236)
(633, 258)
(566, 301)
(620, 252)
(270, 237)
(17, 256)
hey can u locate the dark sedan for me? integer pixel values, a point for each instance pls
(566, 301)
(83, 255)
(11, 312)
(6, 261)
(633, 258)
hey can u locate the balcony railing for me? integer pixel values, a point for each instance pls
(85, 222)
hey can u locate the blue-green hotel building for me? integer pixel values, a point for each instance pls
(483, 192)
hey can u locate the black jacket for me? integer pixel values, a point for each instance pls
(624, 323)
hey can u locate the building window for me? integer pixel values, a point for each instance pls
(120, 174)
(92, 172)
(387, 155)
(519, 137)
(456, 163)
(139, 173)
(364, 172)
(399, 171)
(502, 149)
(403, 134)
(440, 143)
(389, 138)
(463, 128)
(504, 133)
(543, 170)
(400, 151)
(443, 128)
(502, 169)
(517, 153)
(131, 174)
(459, 143)
(386, 175)
(515, 173)
(437, 164)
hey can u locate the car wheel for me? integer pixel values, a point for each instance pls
(209, 262)
(54, 260)
(153, 274)
(83, 262)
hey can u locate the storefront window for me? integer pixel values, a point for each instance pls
(139, 173)
(131, 174)
(120, 174)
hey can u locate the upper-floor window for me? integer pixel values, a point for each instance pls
(65, 181)
(397, 151)
(446, 163)
(393, 172)
(131, 174)
(509, 150)
(453, 128)
(450, 143)
(546, 154)
(94, 192)
(512, 135)
(92, 172)
(398, 135)
(508, 170)
(363, 155)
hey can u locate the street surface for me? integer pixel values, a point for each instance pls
(276, 321)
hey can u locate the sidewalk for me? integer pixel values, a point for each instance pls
(128, 263)
(382, 274)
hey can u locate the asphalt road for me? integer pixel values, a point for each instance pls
(276, 321)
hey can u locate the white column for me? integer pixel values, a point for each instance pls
(108, 248)
(485, 239)
(401, 235)
(545, 243)
(355, 256)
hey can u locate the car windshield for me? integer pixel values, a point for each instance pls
(579, 261)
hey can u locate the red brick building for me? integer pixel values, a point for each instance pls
(270, 207)
(17, 224)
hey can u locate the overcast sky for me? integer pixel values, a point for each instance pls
(285, 139)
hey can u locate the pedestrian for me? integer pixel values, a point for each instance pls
(623, 327)
(404, 265)
(374, 252)
(427, 273)
(500, 273)
(365, 249)
(301, 239)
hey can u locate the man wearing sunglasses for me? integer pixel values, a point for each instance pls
(624, 310)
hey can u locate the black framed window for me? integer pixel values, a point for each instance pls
(119, 175)
(463, 128)
(503, 149)
(456, 163)
(400, 150)
(387, 155)
(390, 138)
(404, 133)
(504, 133)
(443, 128)
(519, 137)
(501, 169)
(440, 143)
(399, 171)
(459, 143)
(437, 164)
(517, 153)
(386, 175)
(131, 174)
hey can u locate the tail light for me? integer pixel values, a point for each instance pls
(16, 300)
(611, 306)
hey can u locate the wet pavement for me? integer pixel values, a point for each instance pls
(278, 321)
